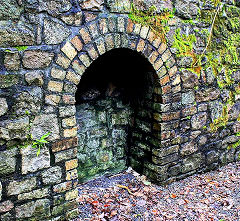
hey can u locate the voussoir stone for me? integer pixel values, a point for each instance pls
(34, 59)
(54, 33)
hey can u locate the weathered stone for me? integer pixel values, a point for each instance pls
(17, 187)
(34, 59)
(44, 124)
(3, 106)
(212, 156)
(10, 10)
(13, 34)
(52, 99)
(52, 175)
(54, 33)
(69, 122)
(65, 155)
(189, 79)
(67, 111)
(12, 61)
(165, 151)
(34, 78)
(54, 7)
(39, 209)
(0, 191)
(188, 148)
(64, 144)
(14, 129)
(72, 174)
(199, 120)
(94, 5)
(63, 61)
(58, 73)
(7, 161)
(70, 132)
(35, 194)
(192, 163)
(55, 86)
(84, 58)
(74, 19)
(8, 80)
(73, 77)
(69, 50)
(31, 162)
(188, 98)
(186, 9)
(85, 35)
(207, 94)
(6, 206)
(73, 194)
(71, 164)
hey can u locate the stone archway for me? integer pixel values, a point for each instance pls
(94, 40)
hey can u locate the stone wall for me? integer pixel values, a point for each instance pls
(37, 95)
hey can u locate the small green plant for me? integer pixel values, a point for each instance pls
(19, 48)
(36, 143)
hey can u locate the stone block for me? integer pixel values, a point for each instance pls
(69, 50)
(70, 195)
(6, 206)
(35, 194)
(84, 58)
(62, 187)
(165, 151)
(63, 61)
(93, 29)
(53, 7)
(103, 26)
(188, 148)
(72, 132)
(31, 162)
(69, 122)
(92, 5)
(16, 34)
(65, 155)
(140, 45)
(73, 77)
(109, 42)
(3, 106)
(8, 80)
(55, 86)
(52, 175)
(72, 174)
(77, 43)
(54, 33)
(144, 32)
(85, 35)
(188, 98)
(117, 40)
(158, 64)
(80, 69)
(52, 99)
(199, 120)
(17, 187)
(100, 46)
(58, 73)
(44, 124)
(12, 61)
(39, 209)
(189, 79)
(68, 99)
(34, 78)
(207, 94)
(71, 164)
(67, 111)
(64, 144)
(34, 59)
(192, 163)
(92, 52)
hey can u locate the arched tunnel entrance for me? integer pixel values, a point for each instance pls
(114, 101)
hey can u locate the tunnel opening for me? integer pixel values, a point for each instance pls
(114, 102)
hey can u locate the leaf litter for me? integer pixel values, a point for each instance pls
(128, 196)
